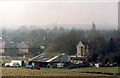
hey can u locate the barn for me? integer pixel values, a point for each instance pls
(50, 59)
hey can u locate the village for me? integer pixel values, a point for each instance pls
(44, 58)
(68, 38)
(52, 59)
(59, 49)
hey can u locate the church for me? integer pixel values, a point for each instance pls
(81, 54)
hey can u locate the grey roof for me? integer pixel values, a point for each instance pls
(22, 45)
(45, 56)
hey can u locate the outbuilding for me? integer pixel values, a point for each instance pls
(50, 59)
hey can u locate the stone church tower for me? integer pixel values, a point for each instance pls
(81, 54)
(82, 50)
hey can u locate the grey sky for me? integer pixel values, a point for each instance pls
(40, 12)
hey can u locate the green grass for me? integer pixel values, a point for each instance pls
(9, 59)
(55, 71)
(100, 69)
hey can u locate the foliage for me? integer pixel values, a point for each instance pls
(102, 43)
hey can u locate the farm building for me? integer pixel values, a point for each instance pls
(45, 59)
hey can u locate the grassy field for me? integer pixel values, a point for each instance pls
(9, 59)
(101, 69)
(55, 71)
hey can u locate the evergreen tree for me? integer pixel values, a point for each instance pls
(111, 46)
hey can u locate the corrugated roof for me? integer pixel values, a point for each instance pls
(46, 57)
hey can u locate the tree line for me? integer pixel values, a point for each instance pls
(103, 44)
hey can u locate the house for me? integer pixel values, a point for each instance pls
(2, 45)
(23, 47)
(81, 54)
(50, 58)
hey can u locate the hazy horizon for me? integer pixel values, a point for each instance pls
(17, 13)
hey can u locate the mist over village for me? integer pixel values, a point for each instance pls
(59, 39)
(101, 43)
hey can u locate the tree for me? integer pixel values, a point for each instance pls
(112, 46)
(68, 41)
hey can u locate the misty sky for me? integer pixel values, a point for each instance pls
(17, 13)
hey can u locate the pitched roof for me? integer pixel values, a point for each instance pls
(22, 45)
(46, 57)
(80, 44)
